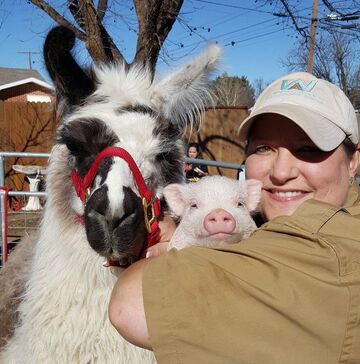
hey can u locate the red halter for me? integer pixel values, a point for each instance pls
(151, 204)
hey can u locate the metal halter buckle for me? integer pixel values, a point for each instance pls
(87, 195)
(149, 213)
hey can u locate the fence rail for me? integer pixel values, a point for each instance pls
(5, 193)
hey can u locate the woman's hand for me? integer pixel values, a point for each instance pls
(157, 249)
(188, 167)
(200, 172)
(167, 228)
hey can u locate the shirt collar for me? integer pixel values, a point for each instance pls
(353, 196)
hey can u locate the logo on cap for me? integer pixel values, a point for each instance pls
(297, 85)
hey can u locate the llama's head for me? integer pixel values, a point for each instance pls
(116, 105)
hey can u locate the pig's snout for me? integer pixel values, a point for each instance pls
(219, 221)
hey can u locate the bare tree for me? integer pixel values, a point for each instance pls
(258, 86)
(336, 60)
(232, 91)
(34, 129)
(155, 20)
(336, 18)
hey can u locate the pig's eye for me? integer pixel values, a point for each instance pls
(194, 205)
(240, 204)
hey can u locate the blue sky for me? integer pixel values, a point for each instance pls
(253, 39)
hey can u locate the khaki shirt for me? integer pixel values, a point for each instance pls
(288, 294)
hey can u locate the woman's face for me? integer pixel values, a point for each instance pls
(192, 152)
(292, 169)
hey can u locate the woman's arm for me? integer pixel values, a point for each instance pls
(126, 309)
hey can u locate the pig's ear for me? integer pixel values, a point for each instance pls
(174, 197)
(253, 193)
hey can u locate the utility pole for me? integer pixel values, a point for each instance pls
(29, 56)
(314, 15)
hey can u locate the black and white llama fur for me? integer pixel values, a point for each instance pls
(63, 313)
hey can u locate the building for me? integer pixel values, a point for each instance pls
(24, 85)
(27, 120)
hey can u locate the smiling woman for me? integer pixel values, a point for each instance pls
(290, 293)
(301, 137)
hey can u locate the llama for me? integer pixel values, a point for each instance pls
(13, 277)
(63, 312)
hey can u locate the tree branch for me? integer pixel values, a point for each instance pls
(98, 41)
(288, 10)
(101, 9)
(330, 7)
(155, 19)
(73, 6)
(58, 18)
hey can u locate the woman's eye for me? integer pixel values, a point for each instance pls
(309, 152)
(262, 149)
(309, 149)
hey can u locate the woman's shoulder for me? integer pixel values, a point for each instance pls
(316, 217)
(316, 226)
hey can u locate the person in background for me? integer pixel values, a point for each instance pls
(290, 293)
(195, 171)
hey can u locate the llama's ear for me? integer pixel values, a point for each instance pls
(71, 82)
(86, 137)
(184, 94)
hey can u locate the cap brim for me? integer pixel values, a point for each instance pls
(324, 134)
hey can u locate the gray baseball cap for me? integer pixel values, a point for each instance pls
(317, 106)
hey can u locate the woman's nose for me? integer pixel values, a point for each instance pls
(284, 167)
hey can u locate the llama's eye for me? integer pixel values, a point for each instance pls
(161, 156)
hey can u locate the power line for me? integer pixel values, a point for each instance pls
(196, 30)
(252, 38)
(29, 53)
(180, 47)
(233, 6)
(218, 37)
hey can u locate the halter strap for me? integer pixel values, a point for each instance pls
(151, 204)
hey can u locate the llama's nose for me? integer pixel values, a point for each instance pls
(98, 208)
(98, 202)
(131, 208)
(219, 221)
(117, 228)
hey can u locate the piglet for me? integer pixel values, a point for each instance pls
(213, 212)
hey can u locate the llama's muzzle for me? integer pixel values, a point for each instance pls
(151, 204)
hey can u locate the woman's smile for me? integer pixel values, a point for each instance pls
(285, 195)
